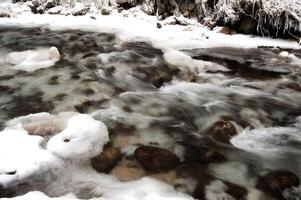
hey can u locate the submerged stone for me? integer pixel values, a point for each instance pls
(276, 182)
(106, 160)
(155, 158)
(222, 131)
(210, 186)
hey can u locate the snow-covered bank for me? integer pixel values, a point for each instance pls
(268, 17)
(144, 28)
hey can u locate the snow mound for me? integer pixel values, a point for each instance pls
(32, 60)
(82, 136)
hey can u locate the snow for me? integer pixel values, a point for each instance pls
(28, 159)
(141, 27)
(32, 60)
(64, 162)
(41, 196)
(177, 58)
(82, 136)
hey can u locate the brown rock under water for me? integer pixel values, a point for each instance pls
(275, 182)
(106, 160)
(222, 131)
(235, 191)
(156, 159)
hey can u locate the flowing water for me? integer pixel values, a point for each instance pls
(144, 99)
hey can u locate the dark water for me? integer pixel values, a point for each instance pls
(132, 89)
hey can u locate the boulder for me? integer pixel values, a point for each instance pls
(50, 4)
(55, 10)
(79, 9)
(275, 182)
(40, 9)
(106, 160)
(106, 11)
(5, 11)
(156, 159)
(36, 3)
(222, 131)
(6, 192)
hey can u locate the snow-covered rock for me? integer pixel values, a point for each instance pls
(56, 10)
(5, 10)
(79, 9)
(32, 60)
(50, 3)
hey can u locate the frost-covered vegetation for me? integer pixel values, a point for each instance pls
(279, 18)
(270, 16)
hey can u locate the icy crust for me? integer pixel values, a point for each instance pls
(60, 167)
(32, 60)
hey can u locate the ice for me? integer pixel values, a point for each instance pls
(32, 60)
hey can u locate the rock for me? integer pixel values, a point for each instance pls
(157, 76)
(121, 1)
(148, 7)
(106, 11)
(200, 190)
(204, 155)
(121, 128)
(275, 182)
(106, 160)
(36, 3)
(50, 3)
(5, 11)
(248, 25)
(33, 9)
(222, 131)
(225, 30)
(55, 10)
(42, 128)
(79, 9)
(159, 25)
(211, 186)
(128, 169)
(155, 158)
(40, 9)
(6, 192)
